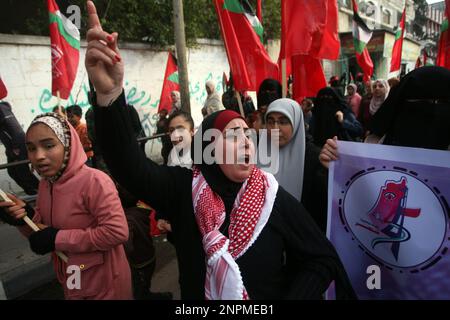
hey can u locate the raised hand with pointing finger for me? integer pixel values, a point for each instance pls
(103, 62)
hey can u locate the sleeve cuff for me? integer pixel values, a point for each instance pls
(120, 101)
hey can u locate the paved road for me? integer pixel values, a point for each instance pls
(21, 270)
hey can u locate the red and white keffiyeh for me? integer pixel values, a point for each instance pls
(249, 215)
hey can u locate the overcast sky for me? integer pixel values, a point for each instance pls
(433, 1)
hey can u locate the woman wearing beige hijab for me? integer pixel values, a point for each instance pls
(213, 102)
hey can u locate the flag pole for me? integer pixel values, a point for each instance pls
(79, 89)
(241, 108)
(283, 76)
(180, 43)
(58, 95)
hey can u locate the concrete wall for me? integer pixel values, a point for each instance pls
(26, 71)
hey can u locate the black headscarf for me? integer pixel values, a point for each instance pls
(216, 179)
(417, 111)
(326, 125)
(269, 91)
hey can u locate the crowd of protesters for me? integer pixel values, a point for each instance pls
(239, 231)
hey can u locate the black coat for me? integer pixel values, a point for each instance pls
(291, 257)
(315, 185)
(12, 135)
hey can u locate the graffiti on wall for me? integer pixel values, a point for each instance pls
(197, 91)
(142, 100)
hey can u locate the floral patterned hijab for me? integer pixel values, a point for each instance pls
(61, 128)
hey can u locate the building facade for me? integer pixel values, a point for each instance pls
(378, 14)
(435, 17)
(383, 17)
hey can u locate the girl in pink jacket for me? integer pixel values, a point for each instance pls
(79, 212)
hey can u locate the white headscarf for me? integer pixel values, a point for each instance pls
(176, 105)
(180, 155)
(61, 129)
(292, 155)
(57, 125)
(179, 158)
(213, 102)
(376, 102)
(211, 86)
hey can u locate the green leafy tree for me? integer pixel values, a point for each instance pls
(148, 21)
(271, 18)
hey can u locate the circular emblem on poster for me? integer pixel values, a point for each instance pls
(401, 222)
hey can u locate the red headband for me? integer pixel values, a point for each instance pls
(224, 118)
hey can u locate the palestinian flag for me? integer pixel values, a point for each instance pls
(242, 34)
(171, 83)
(361, 36)
(65, 47)
(3, 90)
(396, 61)
(443, 57)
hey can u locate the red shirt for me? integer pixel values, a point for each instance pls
(85, 142)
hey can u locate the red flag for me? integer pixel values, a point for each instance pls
(283, 55)
(418, 63)
(259, 10)
(171, 83)
(308, 77)
(365, 62)
(310, 27)
(396, 61)
(288, 62)
(309, 32)
(361, 36)
(443, 57)
(422, 60)
(65, 47)
(3, 90)
(242, 34)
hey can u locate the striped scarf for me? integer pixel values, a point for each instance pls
(249, 215)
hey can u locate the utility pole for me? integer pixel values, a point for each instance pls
(180, 41)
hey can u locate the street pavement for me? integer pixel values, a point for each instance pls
(25, 275)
